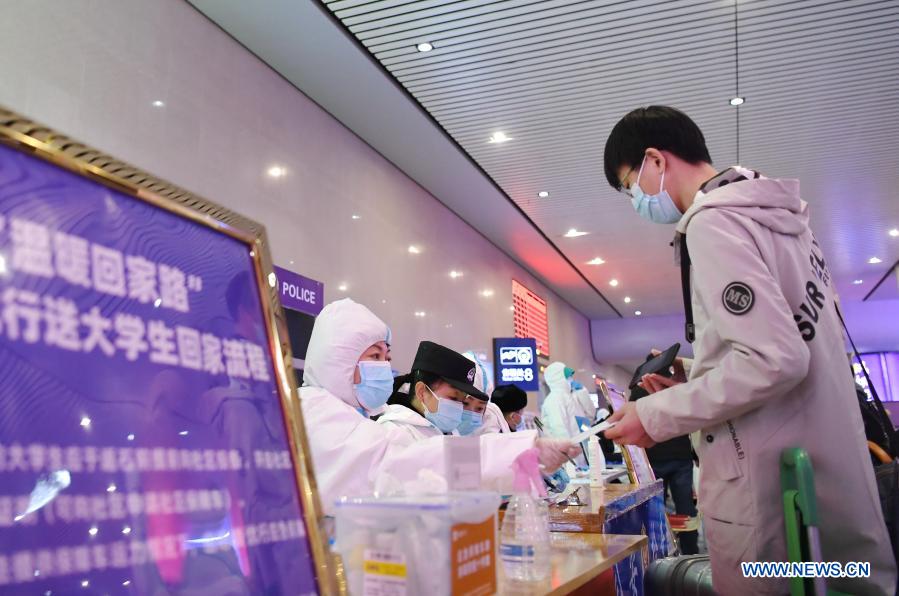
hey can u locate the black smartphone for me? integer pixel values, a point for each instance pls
(660, 365)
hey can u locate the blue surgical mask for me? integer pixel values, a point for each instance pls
(376, 384)
(471, 421)
(657, 208)
(448, 415)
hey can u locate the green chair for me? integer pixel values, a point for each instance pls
(797, 481)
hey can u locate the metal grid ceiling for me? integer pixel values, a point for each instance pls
(821, 82)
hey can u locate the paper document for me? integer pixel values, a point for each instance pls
(598, 428)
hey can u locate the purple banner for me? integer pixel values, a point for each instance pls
(142, 443)
(300, 293)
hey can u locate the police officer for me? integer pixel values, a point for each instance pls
(769, 370)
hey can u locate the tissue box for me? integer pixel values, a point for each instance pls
(435, 545)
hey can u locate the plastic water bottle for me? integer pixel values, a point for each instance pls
(524, 537)
(597, 461)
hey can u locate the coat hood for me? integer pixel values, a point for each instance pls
(772, 203)
(554, 375)
(342, 331)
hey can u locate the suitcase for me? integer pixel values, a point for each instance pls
(689, 575)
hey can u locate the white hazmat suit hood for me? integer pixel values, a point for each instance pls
(342, 332)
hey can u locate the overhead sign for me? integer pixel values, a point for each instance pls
(530, 317)
(143, 442)
(516, 362)
(300, 293)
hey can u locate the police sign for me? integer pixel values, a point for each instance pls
(516, 362)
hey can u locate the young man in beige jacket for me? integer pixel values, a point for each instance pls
(770, 368)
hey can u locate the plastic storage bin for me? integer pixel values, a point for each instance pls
(434, 545)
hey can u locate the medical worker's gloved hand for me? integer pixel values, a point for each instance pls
(559, 479)
(553, 453)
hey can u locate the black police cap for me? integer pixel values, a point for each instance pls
(449, 365)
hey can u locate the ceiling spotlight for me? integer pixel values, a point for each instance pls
(574, 233)
(627, 299)
(342, 287)
(613, 283)
(455, 274)
(894, 232)
(638, 312)
(596, 261)
(111, 488)
(184, 433)
(543, 194)
(85, 422)
(414, 250)
(424, 47)
(737, 101)
(158, 104)
(93, 531)
(126, 530)
(276, 171)
(131, 437)
(420, 314)
(486, 293)
(874, 261)
(499, 137)
(357, 217)
(858, 282)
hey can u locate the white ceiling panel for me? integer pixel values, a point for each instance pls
(821, 82)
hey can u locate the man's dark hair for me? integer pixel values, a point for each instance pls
(664, 128)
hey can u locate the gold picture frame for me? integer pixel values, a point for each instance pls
(21, 133)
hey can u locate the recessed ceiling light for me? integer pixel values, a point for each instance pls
(613, 283)
(342, 287)
(424, 47)
(131, 437)
(596, 261)
(85, 583)
(858, 282)
(85, 422)
(183, 433)
(420, 314)
(93, 531)
(894, 232)
(158, 104)
(111, 488)
(627, 299)
(638, 313)
(455, 274)
(499, 137)
(486, 293)
(574, 233)
(126, 530)
(357, 217)
(737, 101)
(512, 307)
(543, 194)
(874, 261)
(414, 250)
(276, 171)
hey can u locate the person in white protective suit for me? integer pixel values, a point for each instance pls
(770, 367)
(559, 408)
(585, 406)
(442, 395)
(343, 379)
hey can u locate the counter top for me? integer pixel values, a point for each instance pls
(598, 505)
(577, 559)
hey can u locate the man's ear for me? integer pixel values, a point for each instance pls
(656, 157)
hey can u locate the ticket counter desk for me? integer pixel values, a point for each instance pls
(620, 509)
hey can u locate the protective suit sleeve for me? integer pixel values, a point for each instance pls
(498, 451)
(765, 354)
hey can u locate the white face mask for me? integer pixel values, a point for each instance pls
(657, 208)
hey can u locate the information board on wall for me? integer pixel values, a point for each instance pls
(530, 317)
(143, 445)
(516, 362)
